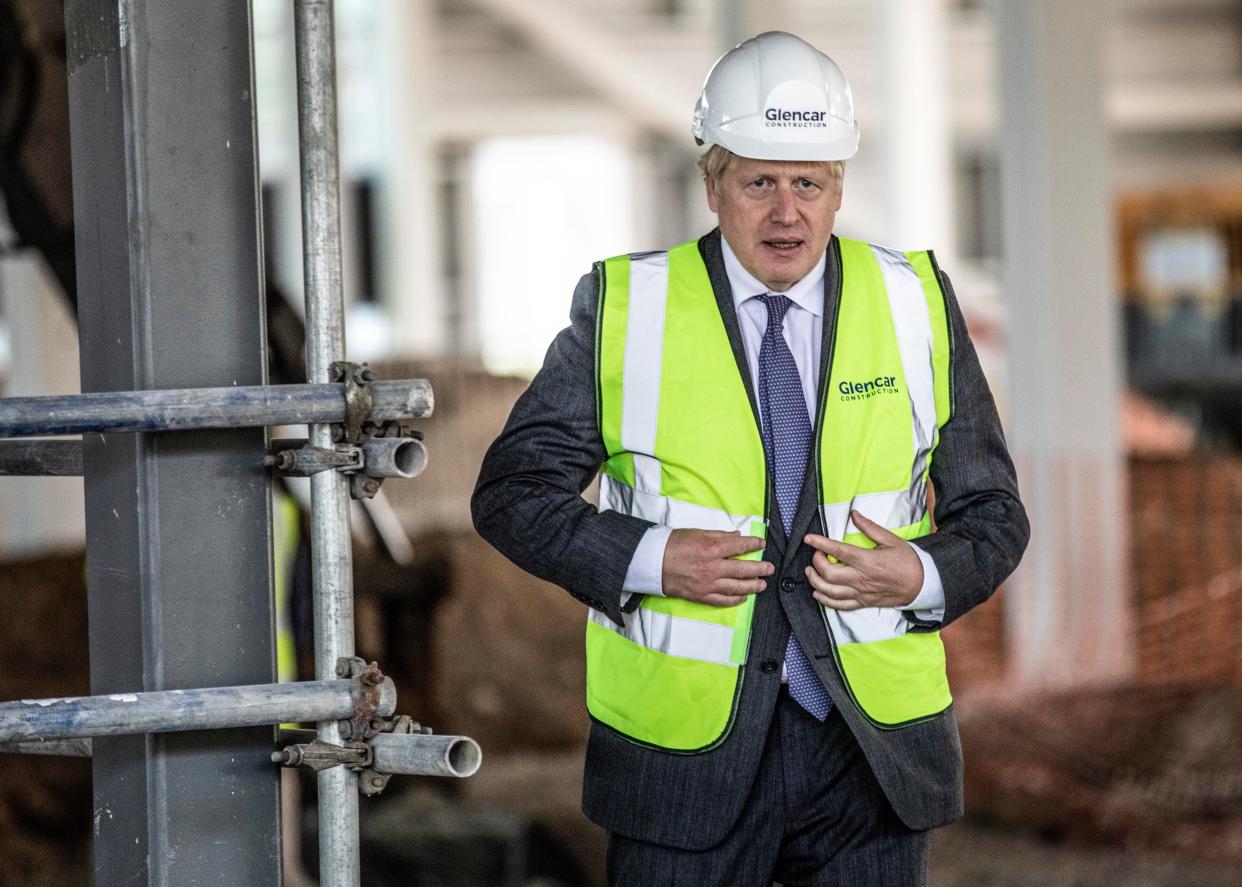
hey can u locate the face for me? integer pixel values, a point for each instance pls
(777, 215)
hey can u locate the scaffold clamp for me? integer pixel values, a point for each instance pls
(358, 399)
(297, 458)
(367, 679)
(317, 755)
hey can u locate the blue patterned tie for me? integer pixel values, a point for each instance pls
(787, 443)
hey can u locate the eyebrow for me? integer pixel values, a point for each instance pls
(812, 175)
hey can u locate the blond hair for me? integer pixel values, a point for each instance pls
(715, 160)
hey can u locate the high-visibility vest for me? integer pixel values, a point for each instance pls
(684, 450)
(286, 531)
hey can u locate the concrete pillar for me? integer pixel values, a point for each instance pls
(915, 142)
(1067, 609)
(409, 255)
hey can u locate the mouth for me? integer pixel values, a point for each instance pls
(782, 247)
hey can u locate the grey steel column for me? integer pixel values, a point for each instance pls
(179, 568)
(331, 554)
(1068, 606)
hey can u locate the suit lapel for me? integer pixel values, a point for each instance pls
(709, 248)
(808, 502)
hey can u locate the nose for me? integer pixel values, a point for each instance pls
(784, 211)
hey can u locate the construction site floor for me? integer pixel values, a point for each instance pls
(968, 854)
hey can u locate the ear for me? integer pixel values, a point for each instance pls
(840, 190)
(713, 202)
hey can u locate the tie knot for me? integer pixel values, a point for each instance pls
(777, 306)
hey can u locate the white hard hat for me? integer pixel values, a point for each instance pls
(777, 97)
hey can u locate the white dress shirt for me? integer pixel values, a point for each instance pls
(803, 328)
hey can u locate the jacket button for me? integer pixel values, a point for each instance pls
(768, 666)
(787, 584)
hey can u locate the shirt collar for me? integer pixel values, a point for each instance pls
(807, 293)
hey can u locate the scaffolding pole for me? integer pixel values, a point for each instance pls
(404, 754)
(331, 556)
(408, 754)
(196, 409)
(40, 458)
(167, 711)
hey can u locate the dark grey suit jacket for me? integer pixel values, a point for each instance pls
(528, 504)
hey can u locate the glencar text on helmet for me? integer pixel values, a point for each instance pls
(781, 117)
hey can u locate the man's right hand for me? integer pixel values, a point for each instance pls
(700, 566)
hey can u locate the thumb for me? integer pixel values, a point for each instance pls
(881, 536)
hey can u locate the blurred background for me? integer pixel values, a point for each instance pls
(1076, 166)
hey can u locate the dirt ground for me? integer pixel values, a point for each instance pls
(969, 854)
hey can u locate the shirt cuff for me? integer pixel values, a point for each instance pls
(646, 571)
(929, 605)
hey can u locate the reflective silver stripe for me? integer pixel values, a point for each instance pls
(899, 508)
(647, 474)
(673, 635)
(608, 498)
(615, 495)
(912, 323)
(864, 626)
(644, 357)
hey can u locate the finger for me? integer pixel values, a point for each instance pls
(842, 551)
(836, 603)
(735, 569)
(873, 531)
(738, 586)
(837, 574)
(730, 545)
(723, 600)
(831, 589)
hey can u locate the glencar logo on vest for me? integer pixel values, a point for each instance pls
(870, 388)
(781, 117)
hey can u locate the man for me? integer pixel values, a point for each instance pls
(765, 407)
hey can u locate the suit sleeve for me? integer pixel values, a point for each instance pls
(528, 500)
(981, 526)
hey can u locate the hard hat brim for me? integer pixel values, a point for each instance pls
(843, 147)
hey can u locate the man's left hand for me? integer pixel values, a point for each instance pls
(889, 575)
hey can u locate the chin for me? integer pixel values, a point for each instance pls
(786, 274)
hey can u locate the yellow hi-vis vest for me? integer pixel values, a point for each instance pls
(684, 450)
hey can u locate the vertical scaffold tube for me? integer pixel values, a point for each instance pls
(332, 568)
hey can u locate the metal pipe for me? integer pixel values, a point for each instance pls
(165, 711)
(394, 456)
(390, 529)
(331, 556)
(412, 754)
(186, 409)
(41, 458)
(415, 754)
(69, 748)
